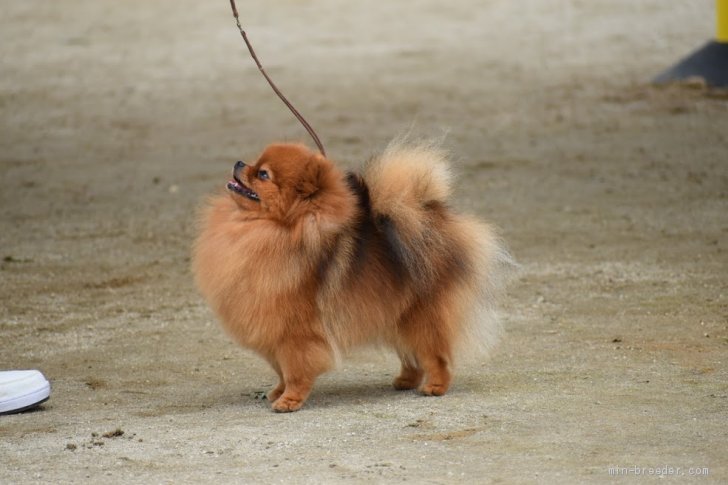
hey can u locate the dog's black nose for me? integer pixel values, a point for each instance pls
(239, 165)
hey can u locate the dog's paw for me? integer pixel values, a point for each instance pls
(431, 389)
(285, 404)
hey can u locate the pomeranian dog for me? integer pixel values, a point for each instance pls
(302, 262)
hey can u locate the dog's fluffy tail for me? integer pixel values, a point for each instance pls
(409, 187)
(406, 177)
(407, 183)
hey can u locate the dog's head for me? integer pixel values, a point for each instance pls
(283, 182)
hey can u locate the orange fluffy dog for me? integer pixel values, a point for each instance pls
(301, 262)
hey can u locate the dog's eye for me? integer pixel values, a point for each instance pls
(263, 174)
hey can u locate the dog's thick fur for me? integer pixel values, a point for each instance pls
(302, 262)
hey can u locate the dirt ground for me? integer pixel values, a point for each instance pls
(116, 118)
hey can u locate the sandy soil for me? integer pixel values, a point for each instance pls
(117, 117)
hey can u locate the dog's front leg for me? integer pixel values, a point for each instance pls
(301, 361)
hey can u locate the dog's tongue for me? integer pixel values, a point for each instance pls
(239, 188)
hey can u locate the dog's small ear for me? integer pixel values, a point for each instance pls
(311, 178)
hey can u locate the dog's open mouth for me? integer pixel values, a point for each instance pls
(240, 188)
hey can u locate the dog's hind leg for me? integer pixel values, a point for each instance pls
(438, 375)
(426, 331)
(411, 374)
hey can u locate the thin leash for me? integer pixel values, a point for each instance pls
(295, 112)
